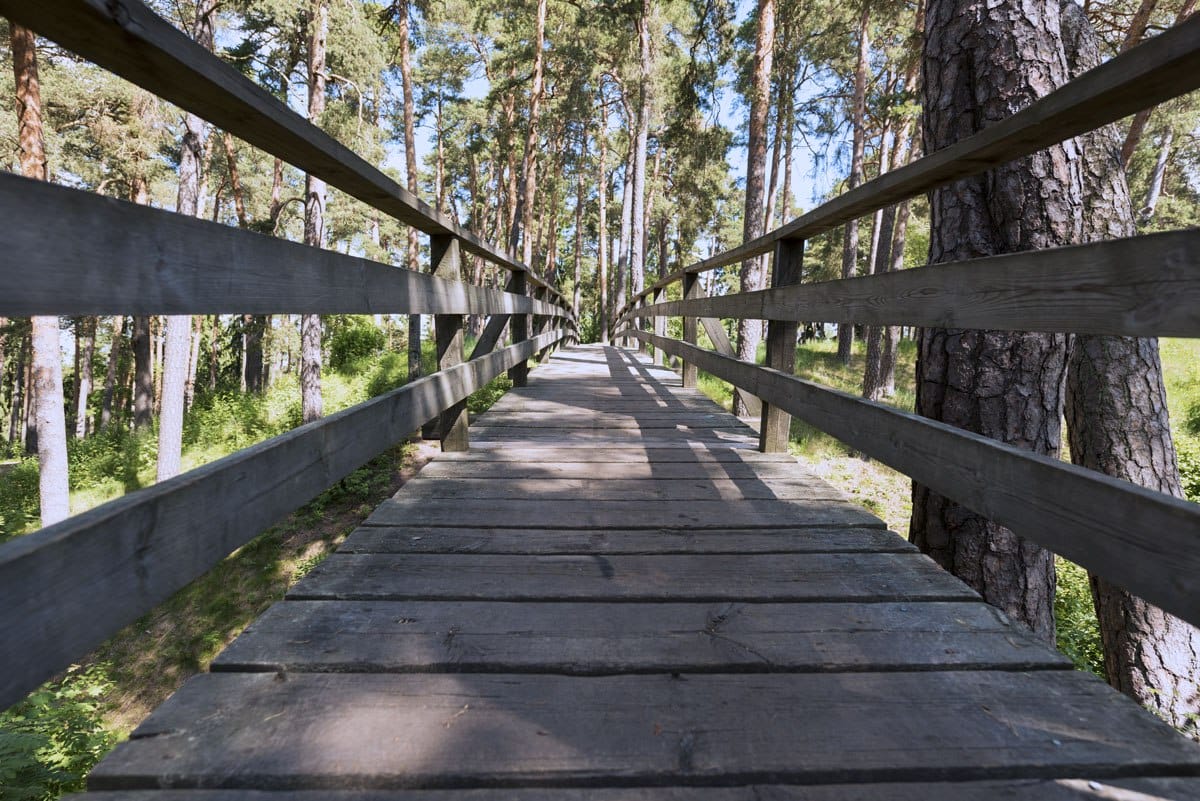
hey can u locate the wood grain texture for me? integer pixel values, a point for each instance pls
(312, 730)
(1163, 67)
(671, 577)
(694, 455)
(1141, 540)
(547, 490)
(617, 471)
(1141, 286)
(419, 539)
(1077, 789)
(122, 258)
(71, 585)
(596, 515)
(496, 637)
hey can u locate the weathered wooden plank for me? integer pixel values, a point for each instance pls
(1159, 69)
(127, 259)
(775, 424)
(598, 639)
(587, 514)
(617, 471)
(547, 490)
(73, 584)
(568, 417)
(675, 577)
(1140, 286)
(422, 539)
(1079, 789)
(1142, 540)
(698, 454)
(652, 443)
(320, 730)
(619, 434)
(132, 41)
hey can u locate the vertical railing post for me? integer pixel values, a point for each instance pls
(691, 289)
(542, 322)
(660, 325)
(519, 325)
(781, 346)
(446, 263)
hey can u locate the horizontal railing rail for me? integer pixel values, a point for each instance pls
(71, 585)
(1143, 540)
(122, 258)
(1140, 286)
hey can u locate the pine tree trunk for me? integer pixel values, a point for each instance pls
(177, 335)
(110, 378)
(143, 374)
(1154, 191)
(314, 214)
(47, 384)
(753, 273)
(637, 241)
(85, 349)
(580, 199)
(1117, 423)
(845, 331)
(17, 413)
(193, 362)
(983, 62)
(403, 34)
(622, 276)
(523, 236)
(602, 235)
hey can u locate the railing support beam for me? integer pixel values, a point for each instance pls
(446, 263)
(691, 289)
(660, 326)
(781, 346)
(519, 326)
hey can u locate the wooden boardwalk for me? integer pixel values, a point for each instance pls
(614, 596)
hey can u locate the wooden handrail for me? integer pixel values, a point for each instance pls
(1141, 286)
(1158, 69)
(1145, 541)
(70, 586)
(129, 39)
(121, 258)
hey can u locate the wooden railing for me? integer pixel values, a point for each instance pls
(69, 586)
(1146, 541)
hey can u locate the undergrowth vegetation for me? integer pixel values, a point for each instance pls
(50, 741)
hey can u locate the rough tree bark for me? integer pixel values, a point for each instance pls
(985, 60)
(753, 274)
(1117, 423)
(314, 213)
(845, 331)
(47, 384)
(637, 242)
